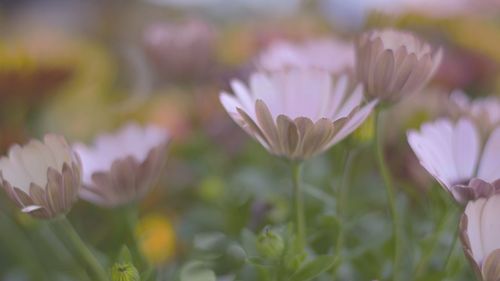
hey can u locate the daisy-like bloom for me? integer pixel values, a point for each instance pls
(297, 113)
(183, 50)
(42, 178)
(392, 64)
(453, 153)
(480, 234)
(484, 111)
(329, 54)
(121, 168)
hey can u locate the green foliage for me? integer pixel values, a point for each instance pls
(196, 271)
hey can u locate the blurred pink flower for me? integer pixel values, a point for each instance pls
(328, 53)
(297, 113)
(480, 235)
(453, 153)
(42, 178)
(484, 111)
(121, 168)
(183, 50)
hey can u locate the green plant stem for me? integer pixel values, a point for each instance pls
(450, 252)
(382, 164)
(131, 215)
(342, 194)
(298, 200)
(64, 227)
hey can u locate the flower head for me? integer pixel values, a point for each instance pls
(480, 235)
(329, 54)
(392, 63)
(485, 111)
(453, 154)
(42, 178)
(181, 50)
(297, 113)
(122, 167)
(157, 238)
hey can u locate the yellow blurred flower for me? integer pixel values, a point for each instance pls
(156, 238)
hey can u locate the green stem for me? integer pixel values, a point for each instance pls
(131, 217)
(342, 194)
(64, 227)
(450, 252)
(298, 200)
(379, 151)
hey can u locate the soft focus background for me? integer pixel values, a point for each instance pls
(81, 68)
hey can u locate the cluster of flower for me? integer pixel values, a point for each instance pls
(44, 178)
(299, 105)
(461, 155)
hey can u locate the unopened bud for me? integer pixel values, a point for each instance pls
(270, 244)
(124, 272)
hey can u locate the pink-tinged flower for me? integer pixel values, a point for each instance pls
(453, 153)
(329, 54)
(484, 111)
(42, 178)
(121, 168)
(183, 50)
(297, 113)
(392, 64)
(480, 235)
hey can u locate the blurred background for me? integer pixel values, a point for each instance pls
(81, 68)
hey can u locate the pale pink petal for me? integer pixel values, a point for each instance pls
(490, 226)
(245, 97)
(466, 146)
(474, 211)
(489, 166)
(356, 121)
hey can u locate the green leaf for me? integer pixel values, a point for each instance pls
(211, 241)
(124, 256)
(258, 261)
(248, 241)
(197, 271)
(314, 268)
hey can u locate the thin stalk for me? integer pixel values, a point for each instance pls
(55, 247)
(64, 227)
(131, 218)
(298, 199)
(450, 252)
(341, 198)
(382, 164)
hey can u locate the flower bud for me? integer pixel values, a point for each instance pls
(270, 244)
(124, 272)
(392, 64)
